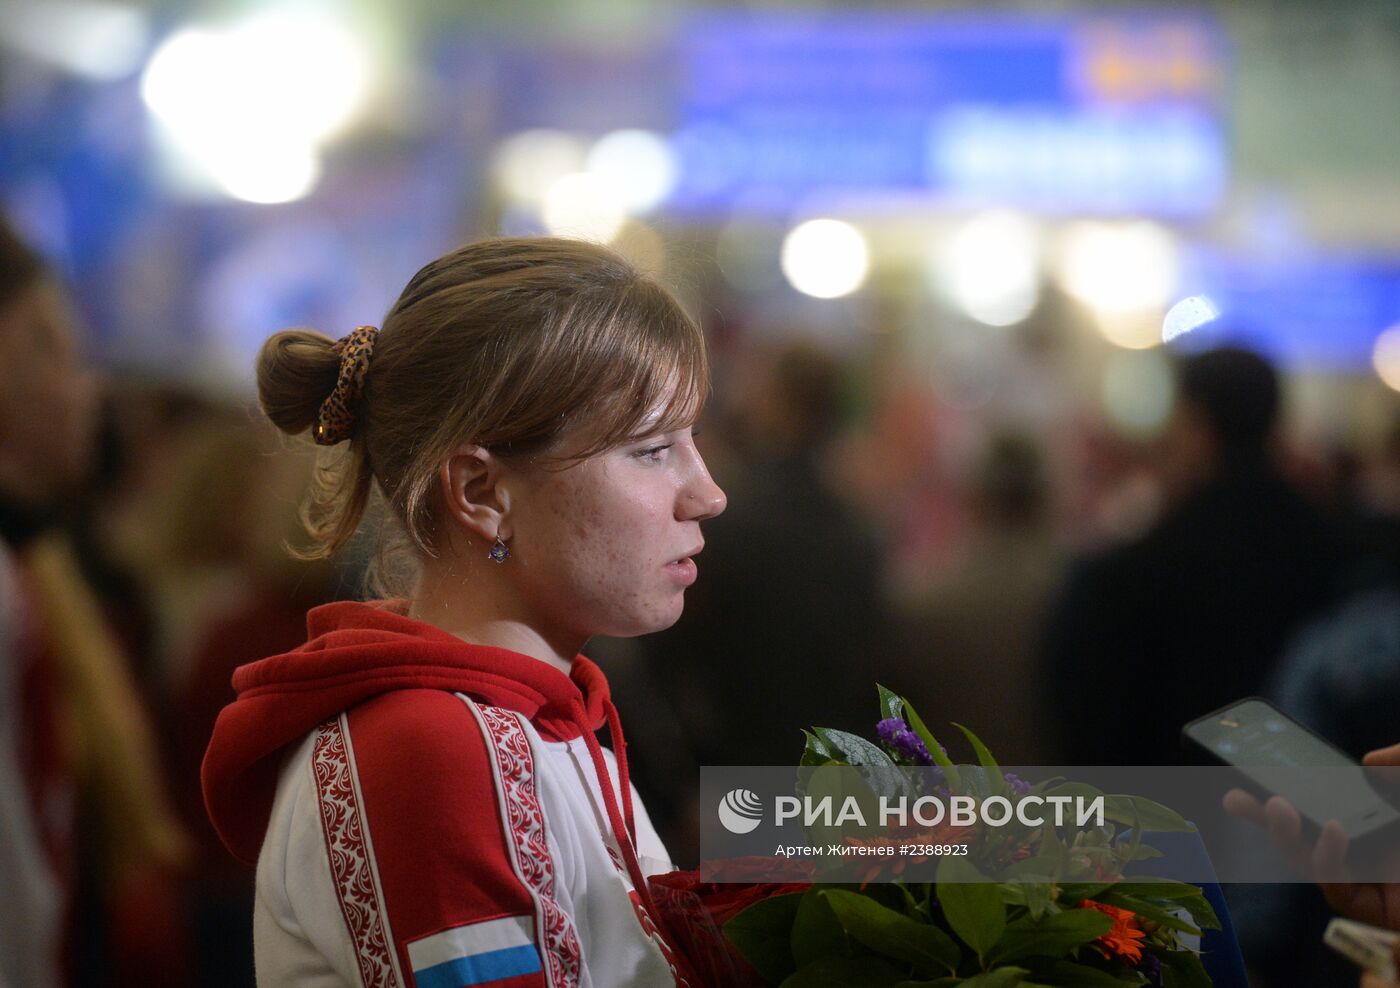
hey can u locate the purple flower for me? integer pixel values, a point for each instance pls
(1151, 967)
(895, 733)
(1018, 785)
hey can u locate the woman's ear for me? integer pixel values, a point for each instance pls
(473, 494)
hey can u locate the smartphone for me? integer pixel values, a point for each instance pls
(1277, 756)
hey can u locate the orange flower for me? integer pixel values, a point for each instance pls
(1122, 938)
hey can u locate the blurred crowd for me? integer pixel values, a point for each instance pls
(1072, 596)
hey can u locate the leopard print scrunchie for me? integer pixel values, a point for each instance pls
(335, 421)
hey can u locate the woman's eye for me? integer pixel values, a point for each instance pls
(653, 453)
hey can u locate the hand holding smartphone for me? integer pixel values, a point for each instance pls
(1322, 854)
(1276, 756)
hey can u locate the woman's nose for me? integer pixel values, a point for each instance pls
(702, 498)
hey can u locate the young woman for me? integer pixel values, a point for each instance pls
(420, 784)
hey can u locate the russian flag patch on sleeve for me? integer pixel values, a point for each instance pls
(484, 953)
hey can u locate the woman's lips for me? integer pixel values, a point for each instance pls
(683, 570)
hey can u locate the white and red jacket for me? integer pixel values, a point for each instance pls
(427, 812)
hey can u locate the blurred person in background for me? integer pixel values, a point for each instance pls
(205, 532)
(83, 816)
(969, 637)
(420, 783)
(1196, 612)
(1200, 610)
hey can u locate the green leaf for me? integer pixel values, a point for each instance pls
(984, 757)
(935, 983)
(1002, 977)
(891, 704)
(763, 935)
(817, 751)
(853, 749)
(842, 972)
(950, 771)
(1183, 969)
(1188, 897)
(1053, 936)
(1038, 896)
(816, 932)
(893, 934)
(972, 906)
(883, 775)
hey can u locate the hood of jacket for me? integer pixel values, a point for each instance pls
(357, 651)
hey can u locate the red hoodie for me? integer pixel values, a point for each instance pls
(424, 776)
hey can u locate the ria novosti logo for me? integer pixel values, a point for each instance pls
(741, 811)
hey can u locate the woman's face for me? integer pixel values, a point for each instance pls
(606, 545)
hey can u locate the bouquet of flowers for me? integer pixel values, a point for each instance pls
(1020, 904)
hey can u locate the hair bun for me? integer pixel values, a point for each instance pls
(297, 371)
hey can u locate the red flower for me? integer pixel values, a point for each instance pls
(1122, 938)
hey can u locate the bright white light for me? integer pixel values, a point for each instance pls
(98, 40)
(990, 268)
(268, 174)
(1117, 269)
(528, 164)
(1385, 357)
(638, 165)
(1190, 313)
(1129, 330)
(580, 205)
(825, 258)
(243, 102)
(1137, 392)
(186, 58)
(282, 76)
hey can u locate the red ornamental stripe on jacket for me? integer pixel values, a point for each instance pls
(437, 862)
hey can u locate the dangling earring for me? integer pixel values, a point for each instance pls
(498, 552)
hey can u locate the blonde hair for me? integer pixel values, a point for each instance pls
(511, 344)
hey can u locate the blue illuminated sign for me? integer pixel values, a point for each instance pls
(1065, 115)
(1313, 310)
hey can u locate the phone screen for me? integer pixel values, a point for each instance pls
(1284, 758)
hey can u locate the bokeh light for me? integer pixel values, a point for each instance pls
(990, 268)
(1118, 268)
(249, 106)
(1189, 314)
(1385, 357)
(825, 258)
(637, 165)
(1136, 392)
(582, 205)
(267, 174)
(528, 164)
(97, 40)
